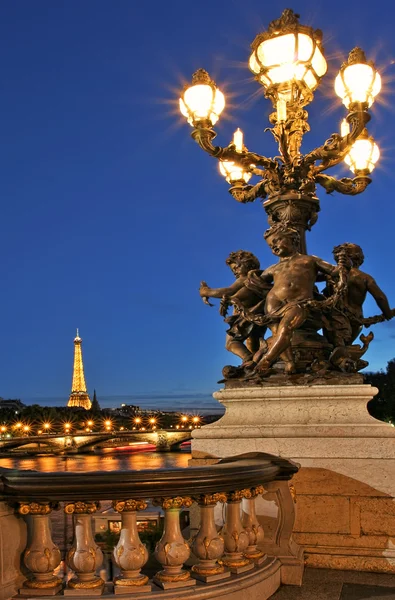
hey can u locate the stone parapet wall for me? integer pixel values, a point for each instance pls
(345, 488)
(12, 543)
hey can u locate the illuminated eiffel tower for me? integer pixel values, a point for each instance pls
(79, 396)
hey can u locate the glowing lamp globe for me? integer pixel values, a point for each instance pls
(233, 173)
(358, 80)
(287, 53)
(363, 155)
(202, 101)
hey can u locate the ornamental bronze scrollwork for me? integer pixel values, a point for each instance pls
(176, 502)
(129, 505)
(37, 508)
(81, 507)
(210, 499)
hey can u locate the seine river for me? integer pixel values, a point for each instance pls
(106, 461)
(109, 460)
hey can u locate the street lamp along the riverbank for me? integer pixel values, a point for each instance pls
(288, 61)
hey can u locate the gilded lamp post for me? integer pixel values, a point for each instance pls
(288, 61)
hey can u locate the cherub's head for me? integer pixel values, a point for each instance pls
(241, 262)
(353, 252)
(282, 239)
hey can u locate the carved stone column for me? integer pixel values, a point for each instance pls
(235, 537)
(84, 557)
(252, 526)
(130, 554)
(41, 556)
(172, 549)
(208, 545)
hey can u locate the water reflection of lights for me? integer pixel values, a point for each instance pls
(107, 461)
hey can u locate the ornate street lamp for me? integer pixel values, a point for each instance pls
(288, 60)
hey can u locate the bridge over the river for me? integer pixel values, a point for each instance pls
(164, 440)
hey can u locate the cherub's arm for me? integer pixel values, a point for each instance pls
(324, 267)
(208, 292)
(379, 296)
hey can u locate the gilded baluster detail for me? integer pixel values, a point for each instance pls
(208, 545)
(253, 527)
(235, 537)
(84, 556)
(172, 550)
(41, 556)
(130, 554)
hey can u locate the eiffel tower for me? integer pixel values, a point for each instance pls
(79, 396)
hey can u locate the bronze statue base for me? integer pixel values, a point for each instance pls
(278, 378)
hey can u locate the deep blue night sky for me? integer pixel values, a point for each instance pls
(111, 215)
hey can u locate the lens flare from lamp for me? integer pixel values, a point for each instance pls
(202, 101)
(363, 155)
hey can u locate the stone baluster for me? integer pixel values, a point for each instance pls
(84, 556)
(41, 556)
(235, 537)
(208, 545)
(252, 526)
(130, 554)
(172, 549)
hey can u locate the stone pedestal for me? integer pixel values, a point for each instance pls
(345, 489)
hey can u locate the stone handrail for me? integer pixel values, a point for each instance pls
(236, 551)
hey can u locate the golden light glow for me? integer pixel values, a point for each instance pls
(152, 421)
(67, 425)
(79, 395)
(344, 128)
(363, 155)
(47, 426)
(283, 59)
(90, 423)
(107, 423)
(26, 428)
(281, 110)
(196, 419)
(233, 172)
(3, 429)
(184, 418)
(202, 100)
(358, 83)
(238, 140)
(18, 425)
(137, 420)
(39, 431)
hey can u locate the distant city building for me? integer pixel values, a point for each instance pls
(79, 396)
(127, 410)
(15, 405)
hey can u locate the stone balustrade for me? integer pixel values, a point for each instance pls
(217, 562)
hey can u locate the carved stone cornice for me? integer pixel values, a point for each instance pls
(80, 508)
(37, 508)
(176, 502)
(129, 505)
